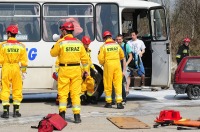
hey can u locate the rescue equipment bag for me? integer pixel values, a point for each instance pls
(51, 122)
(45, 126)
(168, 116)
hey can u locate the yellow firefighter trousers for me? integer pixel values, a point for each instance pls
(69, 80)
(88, 86)
(11, 74)
(112, 75)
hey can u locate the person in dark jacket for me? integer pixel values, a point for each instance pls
(183, 50)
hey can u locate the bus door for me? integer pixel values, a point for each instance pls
(161, 56)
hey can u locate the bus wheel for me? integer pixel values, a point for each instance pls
(99, 87)
(193, 92)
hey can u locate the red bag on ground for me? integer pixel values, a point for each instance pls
(51, 122)
(57, 121)
(45, 126)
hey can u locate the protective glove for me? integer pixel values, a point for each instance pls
(23, 69)
(57, 68)
(85, 74)
(55, 76)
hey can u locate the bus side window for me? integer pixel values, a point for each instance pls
(1, 32)
(107, 19)
(105, 16)
(36, 31)
(29, 31)
(89, 29)
(54, 28)
(89, 23)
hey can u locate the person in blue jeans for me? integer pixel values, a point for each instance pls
(138, 48)
(124, 63)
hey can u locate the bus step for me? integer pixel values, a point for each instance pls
(136, 81)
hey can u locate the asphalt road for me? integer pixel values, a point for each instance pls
(144, 105)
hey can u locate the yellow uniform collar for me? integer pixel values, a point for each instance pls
(12, 38)
(69, 35)
(109, 40)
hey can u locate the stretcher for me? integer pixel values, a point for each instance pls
(187, 124)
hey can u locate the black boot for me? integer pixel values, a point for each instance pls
(83, 99)
(77, 118)
(5, 112)
(57, 100)
(108, 105)
(62, 114)
(120, 106)
(69, 103)
(16, 111)
(93, 100)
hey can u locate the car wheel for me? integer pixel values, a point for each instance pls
(193, 92)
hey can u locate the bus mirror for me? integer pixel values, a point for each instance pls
(56, 37)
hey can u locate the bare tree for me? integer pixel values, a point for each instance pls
(185, 22)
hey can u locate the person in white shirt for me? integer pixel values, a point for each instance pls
(138, 48)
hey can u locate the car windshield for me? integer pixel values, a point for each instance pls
(192, 65)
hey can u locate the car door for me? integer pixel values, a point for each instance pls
(191, 71)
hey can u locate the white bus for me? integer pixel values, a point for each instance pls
(38, 20)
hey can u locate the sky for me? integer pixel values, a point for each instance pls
(171, 2)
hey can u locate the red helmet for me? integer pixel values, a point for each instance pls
(67, 26)
(106, 33)
(13, 29)
(86, 40)
(186, 40)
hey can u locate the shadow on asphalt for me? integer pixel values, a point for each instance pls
(37, 97)
(177, 97)
(133, 97)
(50, 98)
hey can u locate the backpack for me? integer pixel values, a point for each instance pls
(135, 62)
(51, 122)
(45, 126)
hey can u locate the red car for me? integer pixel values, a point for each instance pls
(187, 77)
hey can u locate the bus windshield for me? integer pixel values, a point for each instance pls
(81, 15)
(25, 16)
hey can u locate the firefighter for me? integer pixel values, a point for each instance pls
(88, 81)
(55, 76)
(183, 50)
(87, 88)
(109, 57)
(70, 52)
(13, 57)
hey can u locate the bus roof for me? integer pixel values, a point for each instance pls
(123, 3)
